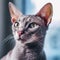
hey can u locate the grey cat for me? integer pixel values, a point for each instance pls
(29, 33)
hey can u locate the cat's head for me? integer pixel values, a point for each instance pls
(30, 28)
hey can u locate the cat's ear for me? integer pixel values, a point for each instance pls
(14, 12)
(46, 13)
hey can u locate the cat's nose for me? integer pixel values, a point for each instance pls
(20, 33)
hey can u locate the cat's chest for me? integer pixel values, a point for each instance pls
(23, 53)
(30, 55)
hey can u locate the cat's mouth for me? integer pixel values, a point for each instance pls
(20, 39)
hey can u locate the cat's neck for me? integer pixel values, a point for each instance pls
(19, 45)
(21, 50)
(17, 51)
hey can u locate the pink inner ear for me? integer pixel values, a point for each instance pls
(46, 13)
(13, 20)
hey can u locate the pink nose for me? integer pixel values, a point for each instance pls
(19, 33)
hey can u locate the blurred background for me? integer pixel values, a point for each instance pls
(52, 40)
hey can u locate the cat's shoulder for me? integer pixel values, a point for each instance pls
(7, 55)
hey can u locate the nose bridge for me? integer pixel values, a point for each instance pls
(21, 25)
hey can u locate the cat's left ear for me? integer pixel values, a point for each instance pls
(46, 13)
(14, 12)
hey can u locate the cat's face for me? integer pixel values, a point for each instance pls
(30, 28)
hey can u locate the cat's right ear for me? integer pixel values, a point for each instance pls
(14, 12)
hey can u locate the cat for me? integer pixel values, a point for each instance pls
(29, 32)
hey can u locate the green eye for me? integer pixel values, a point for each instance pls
(16, 24)
(32, 25)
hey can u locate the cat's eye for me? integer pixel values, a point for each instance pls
(16, 24)
(33, 25)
